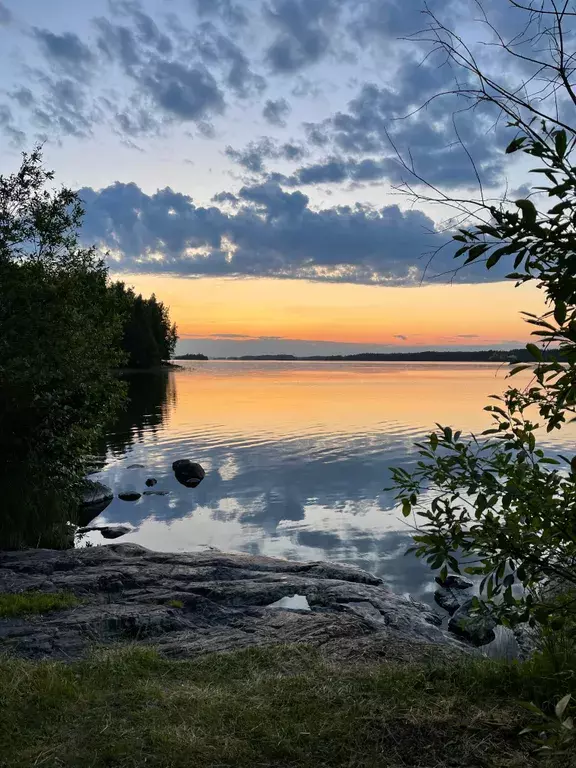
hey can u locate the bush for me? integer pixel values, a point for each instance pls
(60, 332)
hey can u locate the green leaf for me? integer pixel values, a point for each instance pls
(528, 211)
(515, 144)
(406, 507)
(535, 351)
(493, 260)
(476, 251)
(561, 143)
(560, 708)
(560, 312)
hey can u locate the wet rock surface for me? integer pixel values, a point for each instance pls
(127, 593)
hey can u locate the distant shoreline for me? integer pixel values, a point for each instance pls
(429, 356)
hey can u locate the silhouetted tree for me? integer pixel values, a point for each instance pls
(149, 337)
(60, 331)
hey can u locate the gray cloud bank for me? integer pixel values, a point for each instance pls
(270, 233)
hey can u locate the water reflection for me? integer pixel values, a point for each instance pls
(150, 397)
(296, 457)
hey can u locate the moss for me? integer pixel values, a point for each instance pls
(25, 603)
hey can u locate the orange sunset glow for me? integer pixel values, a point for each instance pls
(430, 316)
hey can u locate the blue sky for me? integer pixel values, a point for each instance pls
(251, 139)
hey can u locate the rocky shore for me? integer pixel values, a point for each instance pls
(188, 604)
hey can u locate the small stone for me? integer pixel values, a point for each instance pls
(151, 481)
(136, 466)
(155, 493)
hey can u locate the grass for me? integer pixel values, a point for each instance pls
(26, 603)
(285, 706)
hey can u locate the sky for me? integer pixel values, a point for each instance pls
(239, 159)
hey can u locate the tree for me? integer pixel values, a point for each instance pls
(149, 338)
(60, 331)
(498, 505)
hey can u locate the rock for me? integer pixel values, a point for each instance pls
(188, 473)
(107, 531)
(95, 498)
(129, 495)
(477, 629)
(449, 599)
(151, 481)
(136, 466)
(528, 640)
(126, 591)
(454, 582)
(155, 493)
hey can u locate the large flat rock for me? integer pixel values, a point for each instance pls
(192, 603)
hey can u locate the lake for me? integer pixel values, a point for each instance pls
(296, 456)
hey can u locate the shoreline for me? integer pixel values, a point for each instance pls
(194, 603)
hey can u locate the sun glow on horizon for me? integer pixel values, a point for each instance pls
(298, 310)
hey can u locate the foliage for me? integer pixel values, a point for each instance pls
(149, 338)
(60, 329)
(276, 706)
(498, 505)
(25, 603)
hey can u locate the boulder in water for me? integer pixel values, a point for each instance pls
(188, 473)
(151, 481)
(95, 498)
(129, 495)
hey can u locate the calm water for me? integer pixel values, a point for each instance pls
(296, 456)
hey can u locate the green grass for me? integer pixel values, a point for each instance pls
(25, 603)
(285, 706)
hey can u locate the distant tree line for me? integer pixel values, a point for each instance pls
(430, 356)
(64, 329)
(191, 356)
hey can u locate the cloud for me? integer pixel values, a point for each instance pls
(189, 93)
(253, 157)
(231, 13)
(304, 32)
(467, 336)
(229, 336)
(382, 118)
(66, 52)
(400, 336)
(14, 134)
(5, 15)
(218, 50)
(271, 233)
(275, 112)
